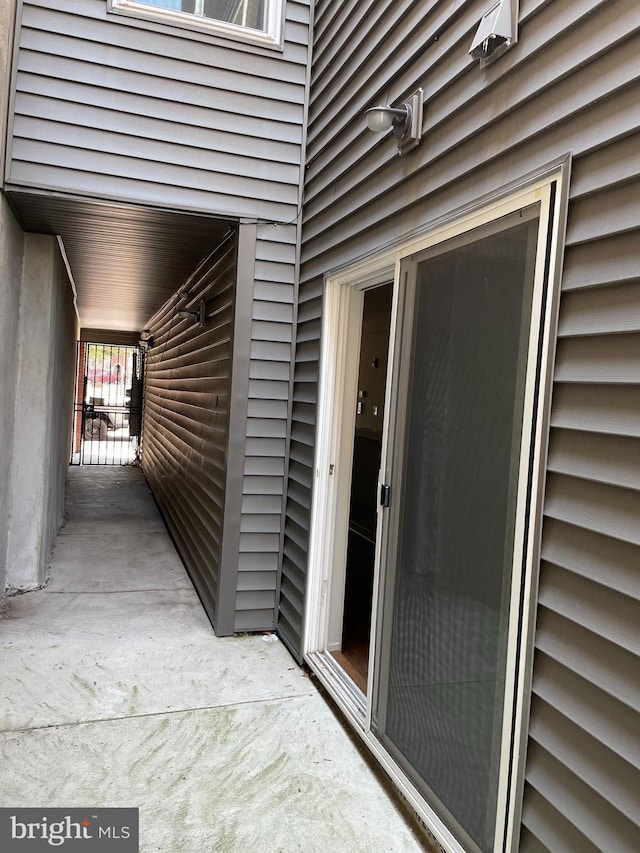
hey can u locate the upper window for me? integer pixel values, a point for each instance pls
(249, 20)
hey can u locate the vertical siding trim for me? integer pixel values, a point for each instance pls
(238, 399)
(6, 131)
(555, 267)
(296, 652)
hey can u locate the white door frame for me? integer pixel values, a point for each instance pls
(341, 332)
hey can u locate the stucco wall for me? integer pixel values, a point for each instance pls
(42, 377)
(11, 249)
(60, 393)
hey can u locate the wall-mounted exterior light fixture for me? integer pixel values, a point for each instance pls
(200, 312)
(496, 32)
(405, 121)
(146, 339)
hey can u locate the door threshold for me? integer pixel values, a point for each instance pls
(352, 664)
(340, 686)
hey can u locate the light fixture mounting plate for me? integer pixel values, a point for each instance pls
(413, 134)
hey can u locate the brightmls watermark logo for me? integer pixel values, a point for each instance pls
(79, 830)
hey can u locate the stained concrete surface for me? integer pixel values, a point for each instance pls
(117, 693)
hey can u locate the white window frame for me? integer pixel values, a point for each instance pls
(272, 36)
(342, 300)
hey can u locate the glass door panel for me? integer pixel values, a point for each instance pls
(440, 697)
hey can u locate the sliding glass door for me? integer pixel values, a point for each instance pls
(450, 596)
(462, 439)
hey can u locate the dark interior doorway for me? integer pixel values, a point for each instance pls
(363, 509)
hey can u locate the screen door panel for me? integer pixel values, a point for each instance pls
(442, 690)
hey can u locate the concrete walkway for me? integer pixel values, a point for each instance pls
(117, 693)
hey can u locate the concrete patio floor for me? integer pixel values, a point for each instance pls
(116, 692)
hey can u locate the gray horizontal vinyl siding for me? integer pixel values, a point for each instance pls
(193, 454)
(569, 86)
(267, 394)
(583, 763)
(186, 419)
(119, 108)
(300, 472)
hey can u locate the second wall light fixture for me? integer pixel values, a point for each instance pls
(200, 312)
(405, 121)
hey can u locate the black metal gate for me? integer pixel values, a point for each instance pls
(108, 405)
